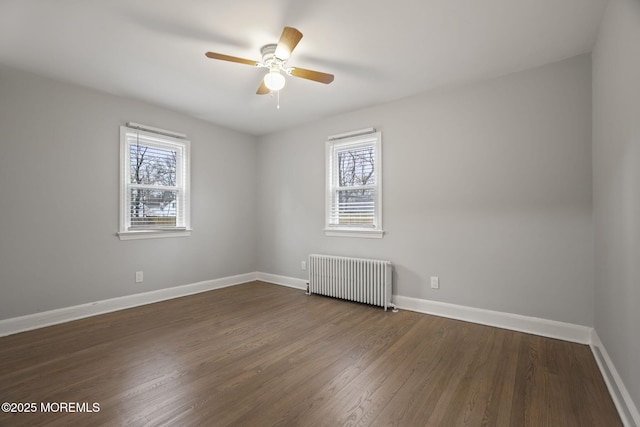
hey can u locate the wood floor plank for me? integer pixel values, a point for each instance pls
(261, 354)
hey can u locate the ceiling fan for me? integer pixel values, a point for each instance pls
(274, 57)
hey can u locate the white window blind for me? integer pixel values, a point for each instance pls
(353, 185)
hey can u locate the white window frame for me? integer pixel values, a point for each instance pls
(357, 139)
(164, 139)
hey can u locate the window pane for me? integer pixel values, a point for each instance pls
(355, 207)
(153, 208)
(355, 167)
(152, 165)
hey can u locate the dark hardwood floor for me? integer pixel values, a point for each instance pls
(261, 355)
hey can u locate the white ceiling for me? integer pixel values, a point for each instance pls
(379, 50)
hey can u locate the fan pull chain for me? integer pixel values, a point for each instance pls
(278, 106)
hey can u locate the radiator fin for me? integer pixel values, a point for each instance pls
(354, 279)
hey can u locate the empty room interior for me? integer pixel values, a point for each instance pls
(320, 213)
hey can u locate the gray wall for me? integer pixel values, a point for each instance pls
(486, 186)
(59, 171)
(616, 160)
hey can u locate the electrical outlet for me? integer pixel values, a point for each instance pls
(435, 282)
(303, 265)
(139, 276)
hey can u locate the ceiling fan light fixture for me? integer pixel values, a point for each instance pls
(274, 80)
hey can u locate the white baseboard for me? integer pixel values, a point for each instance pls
(291, 282)
(618, 391)
(61, 315)
(516, 322)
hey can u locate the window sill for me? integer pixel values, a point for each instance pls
(152, 234)
(354, 232)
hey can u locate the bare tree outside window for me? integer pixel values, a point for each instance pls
(152, 167)
(356, 176)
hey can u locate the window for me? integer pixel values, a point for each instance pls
(354, 197)
(154, 183)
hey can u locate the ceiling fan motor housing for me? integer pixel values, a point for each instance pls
(268, 52)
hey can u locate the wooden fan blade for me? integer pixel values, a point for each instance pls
(316, 76)
(214, 55)
(288, 41)
(263, 89)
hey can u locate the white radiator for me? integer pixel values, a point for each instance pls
(354, 279)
